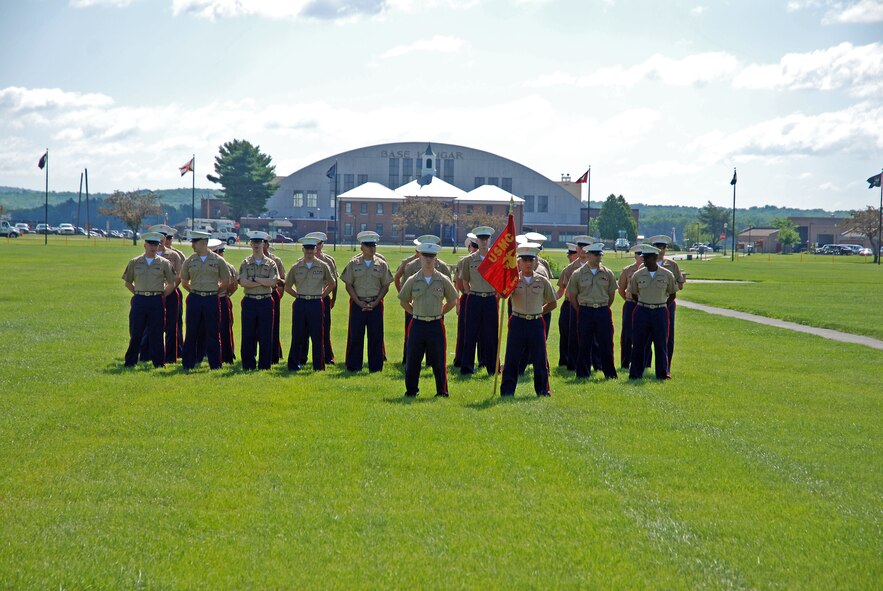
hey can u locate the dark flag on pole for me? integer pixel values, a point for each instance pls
(186, 168)
(332, 172)
(584, 178)
(45, 157)
(874, 181)
(733, 182)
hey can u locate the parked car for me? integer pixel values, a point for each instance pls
(8, 230)
(282, 239)
(23, 228)
(67, 229)
(45, 229)
(701, 248)
(866, 252)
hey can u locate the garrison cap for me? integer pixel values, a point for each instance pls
(214, 244)
(528, 250)
(582, 240)
(368, 236)
(308, 242)
(536, 237)
(660, 239)
(428, 248)
(427, 238)
(571, 247)
(152, 237)
(162, 229)
(258, 235)
(647, 249)
(320, 236)
(483, 231)
(597, 248)
(196, 235)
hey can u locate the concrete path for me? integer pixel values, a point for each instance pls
(826, 333)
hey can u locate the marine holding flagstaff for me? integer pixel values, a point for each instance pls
(532, 298)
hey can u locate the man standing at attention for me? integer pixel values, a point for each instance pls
(591, 290)
(628, 308)
(257, 276)
(278, 293)
(309, 280)
(328, 301)
(203, 274)
(662, 242)
(652, 288)
(482, 318)
(471, 244)
(367, 280)
(151, 279)
(421, 296)
(571, 351)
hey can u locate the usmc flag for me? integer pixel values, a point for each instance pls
(499, 267)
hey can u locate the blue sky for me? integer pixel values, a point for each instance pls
(662, 99)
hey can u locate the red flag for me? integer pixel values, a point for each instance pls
(584, 178)
(186, 168)
(500, 267)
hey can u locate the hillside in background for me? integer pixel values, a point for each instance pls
(14, 198)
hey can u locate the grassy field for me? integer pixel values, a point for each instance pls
(759, 466)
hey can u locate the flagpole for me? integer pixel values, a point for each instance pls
(46, 206)
(502, 304)
(589, 201)
(88, 217)
(733, 251)
(79, 199)
(880, 219)
(193, 194)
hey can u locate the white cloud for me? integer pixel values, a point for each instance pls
(89, 3)
(692, 70)
(332, 10)
(666, 168)
(17, 99)
(859, 69)
(698, 10)
(863, 11)
(438, 44)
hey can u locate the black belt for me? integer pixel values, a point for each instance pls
(205, 294)
(258, 296)
(427, 318)
(594, 306)
(527, 316)
(651, 306)
(149, 293)
(306, 297)
(483, 294)
(368, 299)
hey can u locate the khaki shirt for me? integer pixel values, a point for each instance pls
(234, 278)
(544, 264)
(404, 263)
(569, 270)
(176, 259)
(530, 298)
(625, 275)
(205, 275)
(544, 271)
(469, 273)
(652, 290)
(672, 266)
(592, 289)
(280, 266)
(309, 282)
(367, 281)
(152, 277)
(441, 266)
(427, 299)
(332, 264)
(249, 270)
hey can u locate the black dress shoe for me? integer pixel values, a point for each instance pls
(442, 395)
(410, 394)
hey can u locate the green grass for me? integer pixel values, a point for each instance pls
(760, 465)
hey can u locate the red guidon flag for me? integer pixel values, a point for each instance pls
(186, 168)
(500, 267)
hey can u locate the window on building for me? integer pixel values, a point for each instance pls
(363, 178)
(393, 173)
(528, 204)
(407, 170)
(363, 227)
(395, 208)
(298, 199)
(379, 209)
(378, 228)
(542, 203)
(347, 229)
(395, 230)
(363, 208)
(419, 168)
(492, 180)
(312, 199)
(347, 207)
(331, 203)
(507, 184)
(468, 209)
(479, 181)
(349, 181)
(489, 209)
(449, 171)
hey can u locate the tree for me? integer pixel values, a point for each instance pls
(694, 233)
(712, 219)
(246, 175)
(867, 223)
(787, 232)
(616, 215)
(131, 208)
(423, 215)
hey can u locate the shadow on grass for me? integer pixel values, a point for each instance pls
(497, 400)
(405, 400)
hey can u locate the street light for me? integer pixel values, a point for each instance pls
(454, 233)
(725, 238)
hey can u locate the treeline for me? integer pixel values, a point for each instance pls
(66, 212)
(16, 199)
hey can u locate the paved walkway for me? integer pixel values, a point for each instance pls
(826, 333)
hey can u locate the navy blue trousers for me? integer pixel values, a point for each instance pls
(649, 326)
(425, 337)
(225, 328)
(172, 328)
(359, 323)
(595, 340)
(277, 315)
(307, 317)
(482, 324)
(257, 331)
(564, 333)
(625, 336)
(305, 345)
(146, 316)
(526, 338)
(203, 317)
(573, 339)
